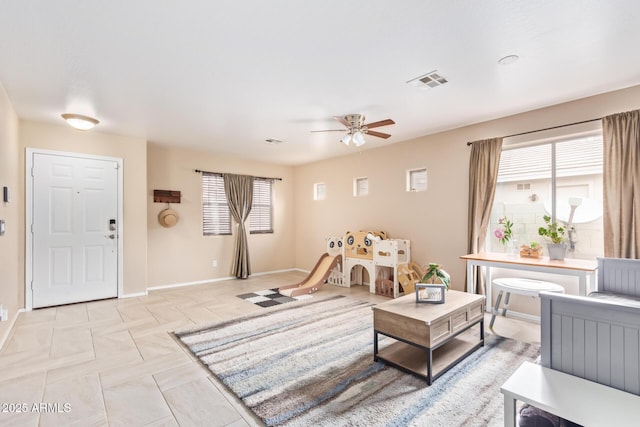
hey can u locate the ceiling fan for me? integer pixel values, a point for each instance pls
(357, 129)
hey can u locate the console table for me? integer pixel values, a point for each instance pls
(580, 268)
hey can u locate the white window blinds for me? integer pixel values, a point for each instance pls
(261, 216)
(216, 218)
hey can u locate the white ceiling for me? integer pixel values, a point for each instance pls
(226, 75)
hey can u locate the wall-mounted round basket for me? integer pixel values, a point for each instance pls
(168, 218)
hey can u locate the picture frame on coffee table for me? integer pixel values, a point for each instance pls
(430, 293)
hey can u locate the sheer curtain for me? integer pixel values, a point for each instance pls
(621, 185)
(239, 191)
(483, 176)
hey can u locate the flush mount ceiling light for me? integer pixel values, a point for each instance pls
(509, 59)
(80, 122)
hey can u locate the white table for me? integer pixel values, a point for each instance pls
(580, 268)
(581, 401)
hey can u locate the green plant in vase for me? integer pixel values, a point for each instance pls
(429, 291)
(434, 271)
(552, 231)
(555, 233)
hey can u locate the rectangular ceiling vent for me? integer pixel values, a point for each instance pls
(430, 80)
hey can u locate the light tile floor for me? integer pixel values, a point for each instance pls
(113, 362)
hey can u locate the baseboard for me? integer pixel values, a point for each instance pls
(266, 273)
(180, 285)
(218, 279)
(137, 294)
(12, 323)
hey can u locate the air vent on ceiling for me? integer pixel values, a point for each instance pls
(430, 80)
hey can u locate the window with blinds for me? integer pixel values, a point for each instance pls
(261, 216)
(216, 217)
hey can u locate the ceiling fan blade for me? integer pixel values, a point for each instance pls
(378, 134)
(386, 122)
(343, 121)
(329, 130)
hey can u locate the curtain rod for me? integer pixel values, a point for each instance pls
(221, 174)
(550, 128)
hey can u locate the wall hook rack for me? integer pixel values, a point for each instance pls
(166, 196)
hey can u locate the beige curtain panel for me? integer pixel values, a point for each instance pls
(483, 176)
(621, 185)
(239, 191)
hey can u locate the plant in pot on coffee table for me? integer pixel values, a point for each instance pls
(430, 291)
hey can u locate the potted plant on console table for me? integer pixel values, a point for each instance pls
(554, 232)
(430, 291)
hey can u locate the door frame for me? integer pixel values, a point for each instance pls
(28, 274)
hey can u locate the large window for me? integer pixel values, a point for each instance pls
(547, 178)
(216, 217)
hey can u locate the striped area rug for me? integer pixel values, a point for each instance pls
(310, 363)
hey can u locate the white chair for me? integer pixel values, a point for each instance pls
(530, 287)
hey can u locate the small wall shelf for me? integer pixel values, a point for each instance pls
(166, 196)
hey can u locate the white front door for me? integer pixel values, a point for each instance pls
(75, 223)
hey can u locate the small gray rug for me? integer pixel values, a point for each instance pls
(311, 363)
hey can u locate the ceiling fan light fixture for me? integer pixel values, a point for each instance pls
(346, 139)
(358, 138)
(80, 122)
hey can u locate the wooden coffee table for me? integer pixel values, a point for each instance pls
(430, 338)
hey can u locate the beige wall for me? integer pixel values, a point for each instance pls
(435, 221)
(12, 243)
(181, 254)
(133, 151)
